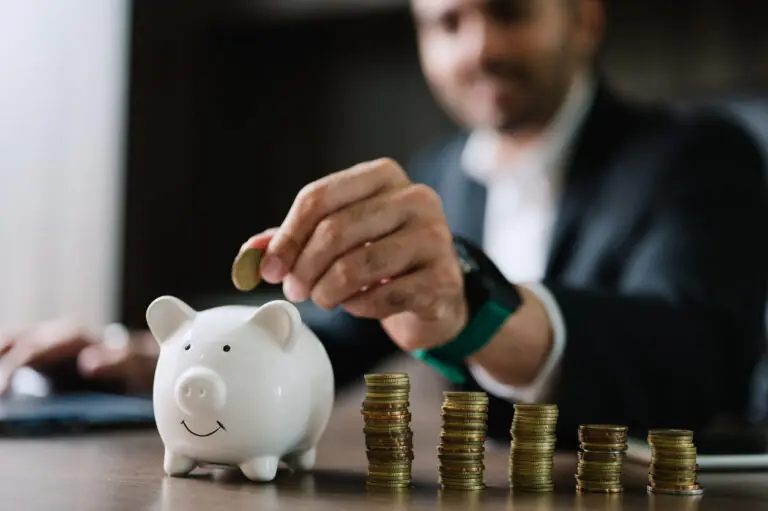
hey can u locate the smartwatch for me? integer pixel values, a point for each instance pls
(490, 298)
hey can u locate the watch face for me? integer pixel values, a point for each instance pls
(467, 263)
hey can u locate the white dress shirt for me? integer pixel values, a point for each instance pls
(522, 199)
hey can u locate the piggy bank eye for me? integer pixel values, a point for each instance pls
(186, 348)
(226, 347)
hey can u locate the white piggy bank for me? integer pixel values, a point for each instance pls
(238, 386)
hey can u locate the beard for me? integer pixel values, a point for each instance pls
(509, 96)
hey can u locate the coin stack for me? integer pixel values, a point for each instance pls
(462, 441)
(532, 449)
(673, 462)
(603, 448)
(388, 436)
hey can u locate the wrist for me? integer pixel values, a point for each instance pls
(521, 347)
(457, 320)
(488, 301)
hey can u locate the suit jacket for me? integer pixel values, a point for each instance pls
(658, 260)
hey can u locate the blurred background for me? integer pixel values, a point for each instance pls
(142, 142)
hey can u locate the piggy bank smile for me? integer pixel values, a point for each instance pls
(203, 435)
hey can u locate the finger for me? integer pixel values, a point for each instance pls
(17, 356)
(45, 345)
(7, 340)
(99, 361)
(5, 344)
(351, 227)
(321, 198)
(427, 292)
(130, 365)
(388, 258)
(260, 241)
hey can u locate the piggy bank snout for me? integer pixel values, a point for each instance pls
(200, 390)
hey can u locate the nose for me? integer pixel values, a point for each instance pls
(486, 42)
(200, 390)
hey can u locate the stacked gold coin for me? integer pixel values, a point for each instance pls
(532, 449)
(462, 440)
(388, 436)
(603, 448)
(673, 462)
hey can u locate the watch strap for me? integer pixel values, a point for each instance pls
(490, 301)
(449, 359)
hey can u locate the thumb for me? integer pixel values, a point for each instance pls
(261, 240)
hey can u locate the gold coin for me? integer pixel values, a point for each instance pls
(389, 483)
(383, 456)
(674, 451)
(592, 489)
(387, 396)
(451, 395)
(386, 415)
(527, 407)
(692, 492)
(532, 446)
(603, 428)
(601, 457)
(671, 433)
(604, 447)
(381, 387)
(672, 471)
(386, 377)
(246, 274)
(678, 481)
(468, 479)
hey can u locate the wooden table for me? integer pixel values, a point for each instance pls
(123, 471)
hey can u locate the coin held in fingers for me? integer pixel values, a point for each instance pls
(245, 270)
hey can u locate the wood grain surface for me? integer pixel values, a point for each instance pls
(123, 471)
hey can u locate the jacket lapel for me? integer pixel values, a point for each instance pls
(592, 149)
(464, 198)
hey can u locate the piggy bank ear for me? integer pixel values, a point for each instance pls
(282, 319)
(165, 315)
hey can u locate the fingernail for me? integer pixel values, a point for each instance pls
(294, 290)
(272, 270)
(88, 362)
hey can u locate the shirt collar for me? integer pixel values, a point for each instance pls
(547, 154)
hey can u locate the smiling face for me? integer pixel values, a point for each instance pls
(225, 387)
(505, 64)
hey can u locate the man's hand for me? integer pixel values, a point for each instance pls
(130, 361)
(373, 242)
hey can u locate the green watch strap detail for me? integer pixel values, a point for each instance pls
(448, 359)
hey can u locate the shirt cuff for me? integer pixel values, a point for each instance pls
(541, 388)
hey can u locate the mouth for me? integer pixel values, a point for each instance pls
(221, 427)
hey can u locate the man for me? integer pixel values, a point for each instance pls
(610, 258)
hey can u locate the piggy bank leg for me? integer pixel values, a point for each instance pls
(176, 464)
(260, 469)
(302, 461)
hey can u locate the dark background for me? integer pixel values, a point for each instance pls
(234, 106)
